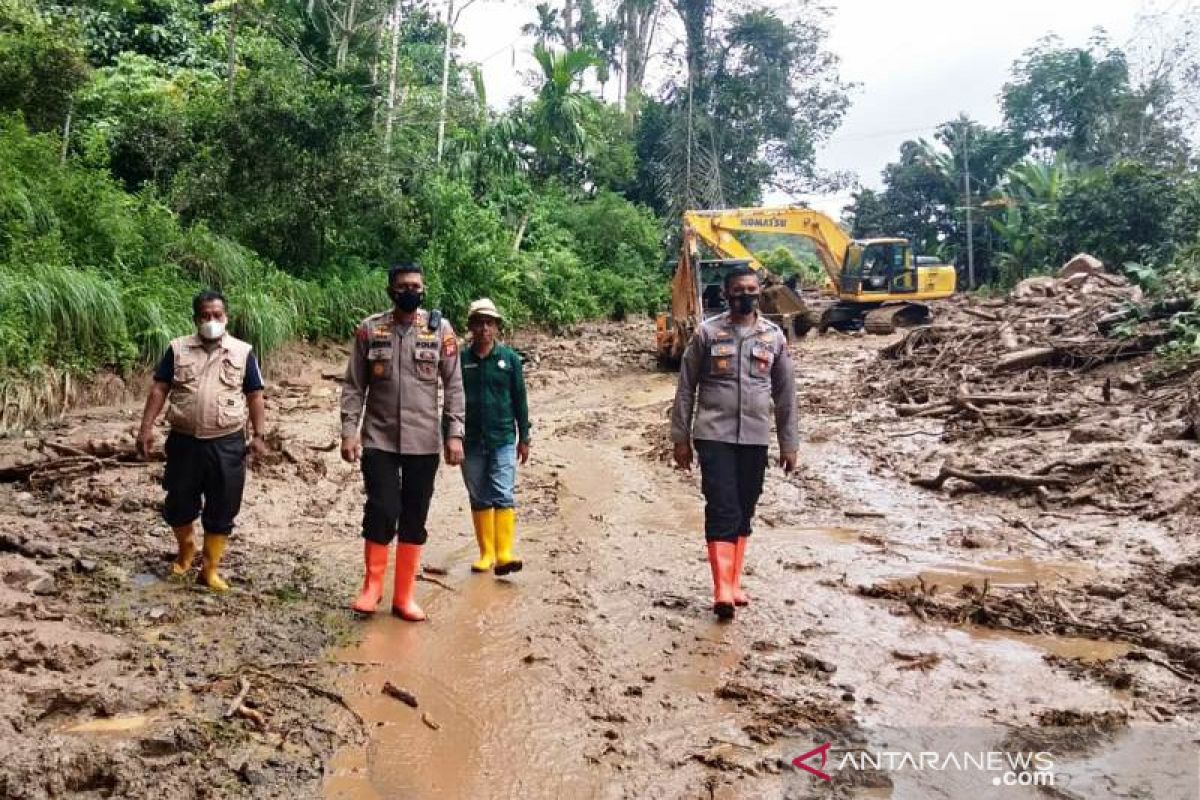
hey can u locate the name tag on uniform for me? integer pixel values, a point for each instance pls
(721, 350)
(379, 354)
(470, 366)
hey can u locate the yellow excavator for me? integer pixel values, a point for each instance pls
(878, 283)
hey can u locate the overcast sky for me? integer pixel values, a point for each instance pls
(919, 62)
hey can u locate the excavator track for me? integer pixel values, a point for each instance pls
(885, 319)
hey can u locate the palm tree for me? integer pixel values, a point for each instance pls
(546, 28)
(558, 116)
(609, 40)
(490, 149)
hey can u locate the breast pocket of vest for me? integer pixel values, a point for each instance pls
(427, 363)
(720, 359)
(185, 373)
(761, 360)
(379, 363)
(231, 374)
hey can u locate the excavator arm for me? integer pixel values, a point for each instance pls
(718, 230)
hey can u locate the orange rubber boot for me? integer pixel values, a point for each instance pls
(376, 557)
(739, 597)
(404, 604)
(722, 557)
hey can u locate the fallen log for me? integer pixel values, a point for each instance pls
(68, 465)
(1018, 398)
(990, 480)
(975, 312)
(924, 409)
(1023, 359)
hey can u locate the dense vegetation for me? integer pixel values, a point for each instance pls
(286, 152)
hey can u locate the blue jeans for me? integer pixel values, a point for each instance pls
(490, 476)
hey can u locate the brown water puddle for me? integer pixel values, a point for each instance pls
(1001, 572)
(1092, 651)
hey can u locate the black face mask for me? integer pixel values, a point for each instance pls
(744, 303)
(407, 300)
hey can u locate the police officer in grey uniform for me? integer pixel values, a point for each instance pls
(734, 370)
(391, 422)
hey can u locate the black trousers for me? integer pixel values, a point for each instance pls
(731, 477)
(204, 478)
(399, 489)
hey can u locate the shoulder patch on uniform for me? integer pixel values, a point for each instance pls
(363, 333)
(449, 346)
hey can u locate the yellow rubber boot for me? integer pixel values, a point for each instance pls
(506, 531)
(214, 548)
(186, 536)
(485, 535)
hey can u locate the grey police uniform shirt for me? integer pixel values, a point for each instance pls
(730, 378)
(391, 386)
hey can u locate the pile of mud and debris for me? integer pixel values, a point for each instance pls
(1055, 394)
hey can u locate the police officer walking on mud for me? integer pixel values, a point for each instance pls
(213, 385)
(737, 363)
(390, 422)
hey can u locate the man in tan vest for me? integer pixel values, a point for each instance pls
(212, 384)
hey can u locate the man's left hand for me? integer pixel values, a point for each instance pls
(788, 461)
(522, 453)
(257, 449)
(454, 452)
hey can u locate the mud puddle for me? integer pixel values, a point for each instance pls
(999, 572)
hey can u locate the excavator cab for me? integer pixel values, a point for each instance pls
(878, 267)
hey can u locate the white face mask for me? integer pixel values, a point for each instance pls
(212, 330)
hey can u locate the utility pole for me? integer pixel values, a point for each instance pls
(451, 21)
(967, 188)
(441, 137)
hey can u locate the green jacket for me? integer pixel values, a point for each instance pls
(496, 400)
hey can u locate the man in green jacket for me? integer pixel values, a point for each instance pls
(497, 437)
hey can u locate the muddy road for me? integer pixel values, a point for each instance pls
(883, 614)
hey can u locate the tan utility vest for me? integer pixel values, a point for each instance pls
(206, 398)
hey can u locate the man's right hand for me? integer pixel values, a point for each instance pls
(683, 455)
(351, 448)
(145, 444)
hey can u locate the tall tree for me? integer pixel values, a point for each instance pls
(638, 24)
(1080, 102)
(546, 30)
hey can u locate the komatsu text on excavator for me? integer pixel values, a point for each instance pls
(877, 283)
